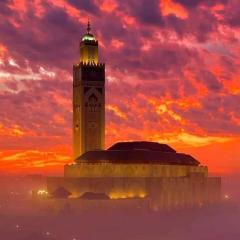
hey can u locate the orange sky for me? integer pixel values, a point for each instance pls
(172, 70)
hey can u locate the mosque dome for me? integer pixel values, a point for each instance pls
(136, 152)
(88, 37)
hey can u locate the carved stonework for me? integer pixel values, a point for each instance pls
(88, 108)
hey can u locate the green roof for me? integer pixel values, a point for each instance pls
(88, 37)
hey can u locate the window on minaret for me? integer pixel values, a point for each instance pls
(92, 103)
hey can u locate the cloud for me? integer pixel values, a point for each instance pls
(172, 72)
(87, 5)
(195, 3)
(146, 12)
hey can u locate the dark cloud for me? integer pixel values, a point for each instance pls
(147, 12)
(232, 14)
(209, 80)
(87, 5)
(189, 3)
(5, 10)
(199, 25)
(34, 109)
(111, 27)
(211, 116)
(195, 3)
(52, 40)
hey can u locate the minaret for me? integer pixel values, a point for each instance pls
(88, 98)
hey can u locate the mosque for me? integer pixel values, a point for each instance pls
(150, 172)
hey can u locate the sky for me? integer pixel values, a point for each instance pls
(172, 76)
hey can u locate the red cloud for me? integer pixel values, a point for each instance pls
(172, 76)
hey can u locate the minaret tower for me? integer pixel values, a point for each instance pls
(88, 98)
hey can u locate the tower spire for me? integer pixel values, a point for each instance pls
(88, 27)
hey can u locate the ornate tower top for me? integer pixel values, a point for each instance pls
(88, 27)
(89, 47)
(88, 36)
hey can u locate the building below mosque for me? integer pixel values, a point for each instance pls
(151, 172)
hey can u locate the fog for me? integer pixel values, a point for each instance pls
(22, 219)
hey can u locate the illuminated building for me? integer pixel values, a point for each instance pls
(150, 172)
(88, 98)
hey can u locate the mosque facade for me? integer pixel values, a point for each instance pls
(150, 172)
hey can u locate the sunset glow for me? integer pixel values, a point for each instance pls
(172, 71)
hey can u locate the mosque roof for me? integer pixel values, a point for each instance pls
(88, 37)
(138, 153)
(143, 145)
(61, 193)
(94, 196)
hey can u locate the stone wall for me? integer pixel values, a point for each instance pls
(131, 170)
(184, 192)
(162, 193)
